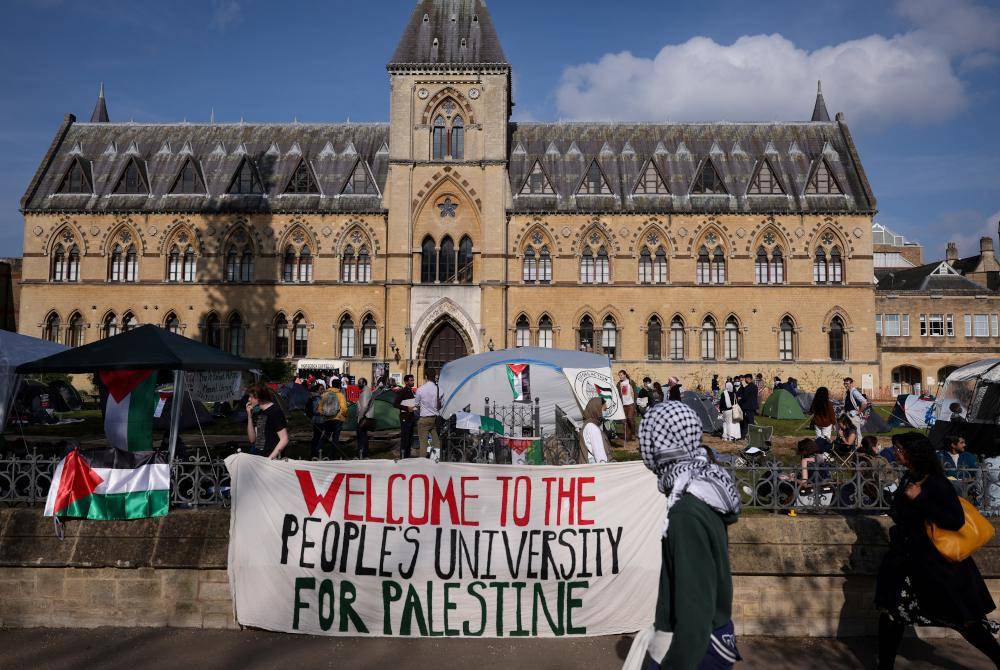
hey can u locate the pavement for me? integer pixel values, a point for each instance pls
(156, 648)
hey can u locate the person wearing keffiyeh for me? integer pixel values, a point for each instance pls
(695, 574)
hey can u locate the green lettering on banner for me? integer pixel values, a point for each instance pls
(301, 583)
(430, 611)
(539, 603)
(482, 608)
(391, 593)
(449, 605)
(520, 631)
(326, 596)
(499, 586)
(348, 594)
(412, 607)
(572, 603)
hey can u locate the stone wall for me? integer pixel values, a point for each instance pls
(803, 576)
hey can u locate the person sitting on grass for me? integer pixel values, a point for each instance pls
(847, 438)
(958, 463)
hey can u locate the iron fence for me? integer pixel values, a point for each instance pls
(859, 487)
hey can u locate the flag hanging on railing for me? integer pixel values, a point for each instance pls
(110, 484)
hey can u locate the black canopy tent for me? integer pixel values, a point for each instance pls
(148, 347)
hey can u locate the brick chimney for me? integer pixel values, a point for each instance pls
(988, 260)
(951, 252)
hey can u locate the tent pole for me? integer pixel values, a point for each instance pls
(176, 406)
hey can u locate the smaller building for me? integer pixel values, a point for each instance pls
(891, 251)
(936, 317)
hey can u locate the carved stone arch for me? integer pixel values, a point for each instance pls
(443, 310)
(166, 315)
(527, 317)
(676, 315)
(174, 231)
(585, 238)
(432, 187)
(736, 317)
(842, 240)
(524, 239)
(369, 311)
(613, 312)
(796, 324)
(663, 322)
(837, 310)
(298, 233)
(709, 315)
(464, 107)
(251, 237)
(756, 237)
(59, 236)
(367, 232)
(117, 232)
(641, 239)
(700, 238)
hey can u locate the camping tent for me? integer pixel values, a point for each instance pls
(976, 388)
(147, 347)
(296, 396)
(805, 400)
(386, 412)
(782, 405)
(193, 413)
(14, 351)
(875, 425)
(66, 396)
(706, 410)
(556, 377)
(912, 410)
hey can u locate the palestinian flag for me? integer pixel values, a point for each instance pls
(604, 392)
(478, 423)
(107, 484)
(525, 450)
(517, 375)
(128, 415)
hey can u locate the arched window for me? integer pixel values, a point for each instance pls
(131, 265)
(836, 266)
(587, 266)
(109, 327)
(465, 260)
(74, 331)
(704, 267)
(281, 336)
(305, 266)
(529, 267)
(786, 340)
(819, 266)
(660, 267)
(446, 261)
(190, 265)
(59, 263)
(428, 262)
(719, 266)
(837, 339)
(347, 336)
(439, 139)
(174, 264)
(522, 332)
(645, 266)
(172, 324)
(347, 265)
(288, 273)
(677, 339)
(602, 269)
(300, 335)
(654, 339)
(116, 269)
(232, 265)
(609, 337)
(73, 264)
(369, 338)
(212, 331)
(129, 322)
(732, 339)
(364, 266)
(53, 328)
(586, 336)
(234, 328)
(708, 334)
(458, 138)
(761, 266)
(246, 265)
(545, 339)
(777, 266)
(545, 266)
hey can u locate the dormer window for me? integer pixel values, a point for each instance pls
(132, 181)
(245, 181)
(75, 181)
(188, 181)
(302, 181)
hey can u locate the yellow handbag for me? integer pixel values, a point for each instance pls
(958, 545)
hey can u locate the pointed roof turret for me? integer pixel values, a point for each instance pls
(452, 32)
(819, 111)
(100, 113)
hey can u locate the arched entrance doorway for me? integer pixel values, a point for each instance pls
(944, 372)
(905, 379)
(445, 344)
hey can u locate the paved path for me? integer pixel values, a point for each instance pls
(153, 649)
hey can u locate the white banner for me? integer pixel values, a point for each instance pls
(418, 549)
(214, 385)
(590, 383)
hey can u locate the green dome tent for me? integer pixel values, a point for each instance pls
(386, 412)
(782, 405)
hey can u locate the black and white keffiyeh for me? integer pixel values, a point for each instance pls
(670, 444)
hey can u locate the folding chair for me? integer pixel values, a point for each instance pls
(759, 437)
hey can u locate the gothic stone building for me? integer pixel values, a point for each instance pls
(676, 248)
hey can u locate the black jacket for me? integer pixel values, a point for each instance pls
(948, 593)
(747, 399)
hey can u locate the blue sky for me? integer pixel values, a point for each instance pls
(917, 79)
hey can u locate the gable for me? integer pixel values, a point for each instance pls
(75, 180)
(302, 180)
(765, 181)
(823, 181)
(536, 183)
(133, 180)
(360, 181)
(594, 182)
(189, 180)
(651, 182)
(708, 181)
(245, 180)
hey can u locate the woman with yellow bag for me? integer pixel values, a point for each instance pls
(918, 584)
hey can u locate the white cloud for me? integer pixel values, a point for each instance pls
(226, 12)
(975, 227)
(877, 79)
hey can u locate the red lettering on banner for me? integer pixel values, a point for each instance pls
(348, 492)
(581, 499)
(548, 498)
(504, 483)
(309, 491)
(466, 521)
(419, 520)
(388, 502)
(523, 518)
(438, 497)
(368, 502)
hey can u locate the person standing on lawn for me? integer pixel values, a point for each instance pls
(428, 406)
(748, 400)
(365, 406)
(333, 408)
(824, 416)
(267, 428)
(407, 415)
(627, 391)
(855, 404)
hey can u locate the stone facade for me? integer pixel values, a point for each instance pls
(598, 195)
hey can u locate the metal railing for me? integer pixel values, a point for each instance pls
(858, 487)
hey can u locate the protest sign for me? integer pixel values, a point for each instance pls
(418, 549)
(594, 383)
(214, 385)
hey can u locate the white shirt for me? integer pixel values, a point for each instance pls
(625, 389)
(594, 443)
(427, 400)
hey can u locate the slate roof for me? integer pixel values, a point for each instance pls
(332, 152)
(922, 278)
(464, 32)
(679, 150)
